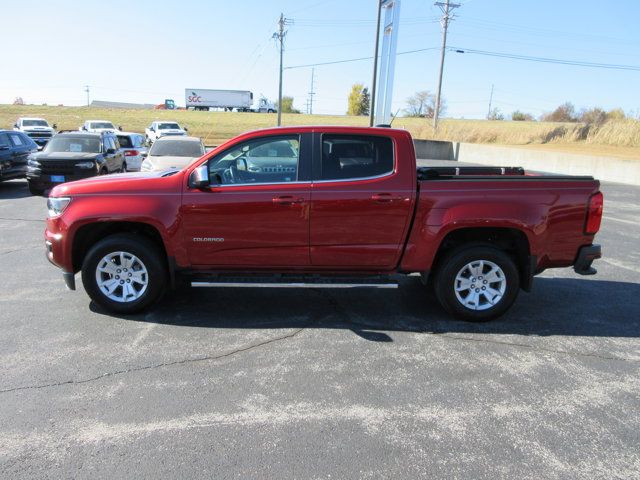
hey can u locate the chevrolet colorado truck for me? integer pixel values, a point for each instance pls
(331, 207)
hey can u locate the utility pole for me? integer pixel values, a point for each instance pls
(279, 35)
(311, 93)
(375, 66)
(490, 100)
(86, 89)
(446, 8)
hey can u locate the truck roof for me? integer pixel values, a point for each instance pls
(31, 118)
(334, 129)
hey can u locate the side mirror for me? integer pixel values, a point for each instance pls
(120, 127)
(54, 126)
(151, 129)
(15, 125)
(144, 154)
(185, 128)
(199, 178)
(111, 151)
(84, 128)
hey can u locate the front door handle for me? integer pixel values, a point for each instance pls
(287, 200)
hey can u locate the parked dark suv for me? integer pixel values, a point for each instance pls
(72, 156)
(15, 148)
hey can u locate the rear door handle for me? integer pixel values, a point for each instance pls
(287, 200)
(382, 197)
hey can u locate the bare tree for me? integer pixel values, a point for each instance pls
(423, 104)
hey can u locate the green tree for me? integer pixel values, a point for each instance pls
(519, 116)
(358, 100)
(287, 105)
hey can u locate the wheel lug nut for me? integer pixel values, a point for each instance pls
(473, 286)
(129, 281)
(118, 270)
(121, 282)
(117, 277)
(484, 288)
(477, 290)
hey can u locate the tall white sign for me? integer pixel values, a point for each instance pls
(387, 61)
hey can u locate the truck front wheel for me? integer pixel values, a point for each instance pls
(124, 273)
(477, 283)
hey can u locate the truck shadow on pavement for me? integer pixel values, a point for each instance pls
(14, 189)
(556, 306)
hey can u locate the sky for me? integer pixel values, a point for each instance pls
(146, 51)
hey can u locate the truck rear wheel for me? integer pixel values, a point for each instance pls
(477, 282)
(124, 273)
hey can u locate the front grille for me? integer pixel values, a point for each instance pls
(57, 167)
(39, 134)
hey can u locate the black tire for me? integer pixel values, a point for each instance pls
(146, 252)
(124, 167)
(481, 308)
(35, 191)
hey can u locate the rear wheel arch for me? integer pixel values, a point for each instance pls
(513, 241)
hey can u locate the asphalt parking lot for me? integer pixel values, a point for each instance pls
(319, 384)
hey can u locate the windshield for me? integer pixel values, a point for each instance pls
(35, 123)
(166, 126)
(71, 144)
(176, 148)
(102, 125)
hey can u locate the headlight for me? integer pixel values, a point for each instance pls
(86, 165)
(57, 205)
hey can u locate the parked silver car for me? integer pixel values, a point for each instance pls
(134, 148)
(172, 152)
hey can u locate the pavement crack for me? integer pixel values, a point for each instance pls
(205, 358)
(535, 348)
(22, 219)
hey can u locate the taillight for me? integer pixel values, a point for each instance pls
(594, 214)
(131, 153)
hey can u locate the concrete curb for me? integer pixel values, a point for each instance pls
(608, 169)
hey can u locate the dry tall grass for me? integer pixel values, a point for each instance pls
(216, 127)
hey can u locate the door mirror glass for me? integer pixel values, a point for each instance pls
(111, 151)
(199, 178)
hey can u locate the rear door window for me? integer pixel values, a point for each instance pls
(346, 157)
(4, 140)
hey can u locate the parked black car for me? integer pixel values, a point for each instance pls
(15, 148)
(72, 156)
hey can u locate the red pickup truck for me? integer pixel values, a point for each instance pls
(325, 207)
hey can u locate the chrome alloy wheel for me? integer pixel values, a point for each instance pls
(122, 277)
(480, 285)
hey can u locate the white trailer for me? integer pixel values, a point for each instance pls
(239, 100)
(204, 99)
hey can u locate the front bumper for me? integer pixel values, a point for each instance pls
(586, 256)
(54, 253)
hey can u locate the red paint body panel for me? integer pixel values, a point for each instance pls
(378, 225)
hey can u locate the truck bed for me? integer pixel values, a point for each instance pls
(482, 172)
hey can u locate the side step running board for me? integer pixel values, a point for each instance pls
(297, 282)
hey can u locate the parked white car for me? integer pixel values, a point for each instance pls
(99, 126)
(134, 148)
(172, 152)
(37, 128)
(159, 129)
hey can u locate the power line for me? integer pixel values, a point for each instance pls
(357, 59)
(576, 63)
